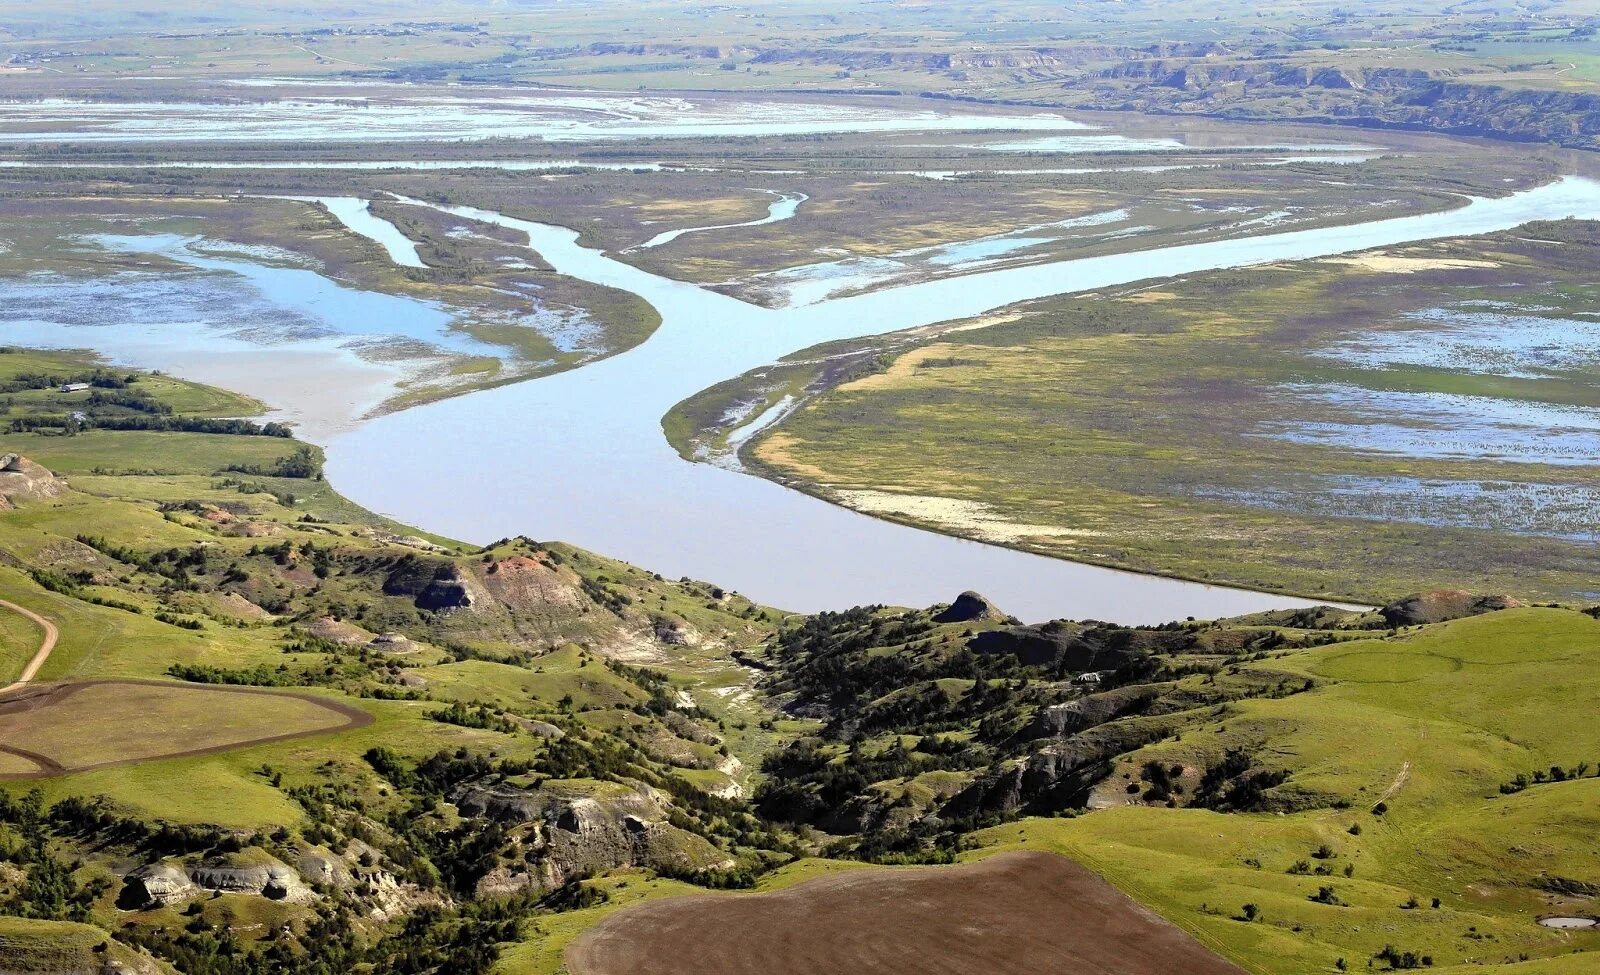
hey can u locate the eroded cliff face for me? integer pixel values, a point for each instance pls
(1441, 101)
(1252, 82)
(23, 481)
(556, 834)
(168, 882)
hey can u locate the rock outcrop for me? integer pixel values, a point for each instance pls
(157, 885)
(274, 880)
(318, 866)
(23, 480)
(1070, 717)
(251, 872)
(542, 729)
(1441, 605)
(1072, 646)
(432, 584)
(522, 583)
(562, 834)
(338, 631)
(970, 607)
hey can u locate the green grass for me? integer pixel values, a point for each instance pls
(568, 672)
(1140, 427)
(28, 946)
(1434, 743)
(186, 398)
(228, 789)
(97, 641)
(152, 451)
(19, 640)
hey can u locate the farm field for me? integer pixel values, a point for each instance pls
(77, 726)
(1034, 910)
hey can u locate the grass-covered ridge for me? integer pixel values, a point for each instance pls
(1427, 840)
(254, 676)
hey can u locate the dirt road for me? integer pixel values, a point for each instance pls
(45, 646)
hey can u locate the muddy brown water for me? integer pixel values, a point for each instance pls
(580, 456)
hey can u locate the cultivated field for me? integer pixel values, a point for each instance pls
(1009, 913)
(75, 727)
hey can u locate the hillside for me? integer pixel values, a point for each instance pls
(313, 721)
(1451, 805)
(277, 733)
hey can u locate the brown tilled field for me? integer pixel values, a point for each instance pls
(1022, 913)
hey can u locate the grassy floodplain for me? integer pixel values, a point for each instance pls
(500, 314)
(1344, 428)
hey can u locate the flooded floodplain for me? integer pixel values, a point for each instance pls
(393, 113)
(580, 456)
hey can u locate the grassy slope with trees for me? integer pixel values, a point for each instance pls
(873, 735)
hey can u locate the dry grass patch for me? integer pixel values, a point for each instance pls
(73, 727)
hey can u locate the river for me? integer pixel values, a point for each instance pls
(580, 456)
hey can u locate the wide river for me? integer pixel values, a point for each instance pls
(580, 456)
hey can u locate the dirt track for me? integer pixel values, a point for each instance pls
(51, 634)
(46, 695)
(1013, 914)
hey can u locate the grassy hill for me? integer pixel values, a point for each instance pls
(1416, 746)
(248, 664)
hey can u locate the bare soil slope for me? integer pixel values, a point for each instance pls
(1014, 913)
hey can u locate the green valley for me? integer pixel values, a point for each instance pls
(301, 723)
(795, 487)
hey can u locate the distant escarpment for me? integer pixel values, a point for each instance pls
(1399, 98)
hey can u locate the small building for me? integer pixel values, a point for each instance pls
(73, 387)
